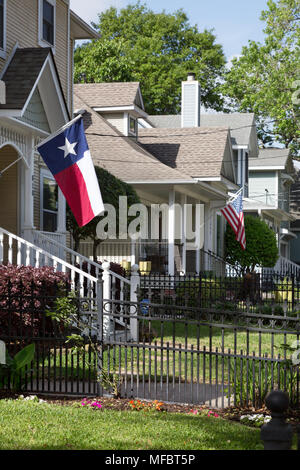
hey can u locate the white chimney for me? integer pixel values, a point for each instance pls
(190, 103)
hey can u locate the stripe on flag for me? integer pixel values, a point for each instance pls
(234, 215)
(67, 155)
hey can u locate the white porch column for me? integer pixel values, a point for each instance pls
(183, 230)
(133, 245)
(61, 218)
(171, 233)
(198, 236)
(28, 191)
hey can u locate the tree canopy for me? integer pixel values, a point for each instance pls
(265, 79)
(156, 49)
(111, 189)
(261, 249)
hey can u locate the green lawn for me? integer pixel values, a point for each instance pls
(26, 425)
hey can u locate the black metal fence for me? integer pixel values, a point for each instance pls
(253, 292)
(204, 356)
(165, 346)
(60, 365)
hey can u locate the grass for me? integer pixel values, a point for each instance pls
(26, 426)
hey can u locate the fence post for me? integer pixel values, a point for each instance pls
(134, 284)
(99, 287)
(293, 291)
(277, 434)
(106, 299)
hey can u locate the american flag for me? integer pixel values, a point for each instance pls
(234, 215)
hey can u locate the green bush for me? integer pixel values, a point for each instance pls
(199, 292)
(261, 249)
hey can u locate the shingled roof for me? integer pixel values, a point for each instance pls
(102, 95)
(21, 75)
(271, 157)
(120, 155)
(199, 152)
(240, 123)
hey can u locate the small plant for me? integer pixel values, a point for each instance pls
(31, 398)
(255, 420)
(138, 405)
(94, 404)
(14, 372)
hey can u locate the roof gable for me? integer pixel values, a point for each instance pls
(121, 155)
(29, 70)
(35, 114)
(198, 152)
(110, 95)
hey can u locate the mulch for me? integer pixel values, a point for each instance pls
(122, 404)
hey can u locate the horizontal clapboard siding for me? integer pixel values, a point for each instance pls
(22, 27)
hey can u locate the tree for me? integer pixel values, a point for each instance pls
(159, 49)
(102, 61)
(265, 79)
(261, 249)
(111, 189)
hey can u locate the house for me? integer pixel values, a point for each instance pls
(36, 71)
(271, 176)
(179, 167)
(295, 211)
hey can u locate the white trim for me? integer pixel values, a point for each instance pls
(130, 133)
(59, 94)
(126, 124)
(3, 50)
(42, 42)
(162, 182)
(58, 89)
(171, 233)
(108, 109)
(29, 126)
(257, 168)
(59, 131)
(240, 147)
(15, 146)
(9, 59)
(34, 86)
(10, 113)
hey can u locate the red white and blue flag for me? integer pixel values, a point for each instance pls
(234, 215)
(67, 155)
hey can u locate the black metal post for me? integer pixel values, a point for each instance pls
(277, 434)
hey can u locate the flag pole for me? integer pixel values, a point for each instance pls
(59, 131)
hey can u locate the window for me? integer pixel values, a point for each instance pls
(49, 203)
(47, 23)
(2, 28)
(132, 126)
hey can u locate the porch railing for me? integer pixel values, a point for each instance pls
(285, 267)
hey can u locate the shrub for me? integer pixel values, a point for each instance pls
(25, 293)
(261, 249)
(198, 292)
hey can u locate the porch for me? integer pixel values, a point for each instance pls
(154, 257)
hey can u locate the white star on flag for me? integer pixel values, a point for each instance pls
(68, 148)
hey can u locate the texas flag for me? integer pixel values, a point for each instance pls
(66, 154)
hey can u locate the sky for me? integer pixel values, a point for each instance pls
(234, 21)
